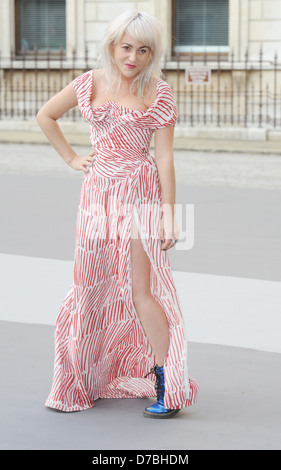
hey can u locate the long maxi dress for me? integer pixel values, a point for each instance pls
(101, 350)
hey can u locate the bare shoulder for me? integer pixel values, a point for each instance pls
(99, 81)
(99, 75)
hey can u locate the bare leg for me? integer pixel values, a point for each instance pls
(151, 314)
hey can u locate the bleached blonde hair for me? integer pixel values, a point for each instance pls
(143, 28)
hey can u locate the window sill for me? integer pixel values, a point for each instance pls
(19, 63)
(202, 49)
(182, 62)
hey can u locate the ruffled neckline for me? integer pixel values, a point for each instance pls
(103, 106)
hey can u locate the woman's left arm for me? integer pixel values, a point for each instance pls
(164, 158)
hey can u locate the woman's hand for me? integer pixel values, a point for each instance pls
(168, 230)
(82, 163)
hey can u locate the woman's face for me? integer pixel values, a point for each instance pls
(130, 56)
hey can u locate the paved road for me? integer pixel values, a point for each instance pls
(227, 169)
(236, 201)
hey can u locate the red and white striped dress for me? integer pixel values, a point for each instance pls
(101, 350)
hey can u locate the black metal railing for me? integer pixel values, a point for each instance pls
(244, 93)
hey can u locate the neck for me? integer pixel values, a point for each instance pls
(126, 82)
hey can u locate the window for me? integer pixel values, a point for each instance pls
(40, 24)
(201, 25)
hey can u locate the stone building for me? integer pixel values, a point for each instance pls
(249, 23)
(238, 40)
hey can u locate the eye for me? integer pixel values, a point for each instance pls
(126, 47)
(143, 51)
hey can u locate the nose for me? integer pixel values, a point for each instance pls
(133, 56)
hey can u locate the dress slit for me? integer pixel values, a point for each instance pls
(158, 288)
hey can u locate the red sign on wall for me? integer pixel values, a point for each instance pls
(196, 75)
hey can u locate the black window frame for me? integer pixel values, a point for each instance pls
(193, 52)
(20, 53)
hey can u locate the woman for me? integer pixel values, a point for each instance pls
(121, 316)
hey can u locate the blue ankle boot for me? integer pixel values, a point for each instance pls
(157, 410)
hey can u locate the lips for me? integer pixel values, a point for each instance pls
(131, 66)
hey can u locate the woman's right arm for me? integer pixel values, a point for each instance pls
(47, 117)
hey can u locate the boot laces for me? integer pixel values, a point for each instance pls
(159, 383)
